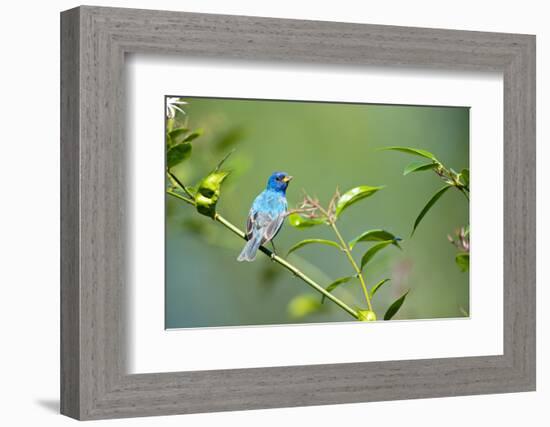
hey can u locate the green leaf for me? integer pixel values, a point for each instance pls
(177, 136)
(465, 175)
(310, 241)
(177, 154)
(414, 151)
(335, 284)
(429, 205)
(394, 308)
(377, 235)
(354, 195)
(298, 221)
(303, 305)
(366, 315)
(418, 167)
(463, 261)
(193, 135)
(210, 186)
(373, 251)
(377, 286)
(208, 193)
(222, 161)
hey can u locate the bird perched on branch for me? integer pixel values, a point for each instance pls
(266, 216)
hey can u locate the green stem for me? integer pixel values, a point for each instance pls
(455, 182)
(463, 191)
(179, 196)
(346, 249)
(180, 184)
(294, 270)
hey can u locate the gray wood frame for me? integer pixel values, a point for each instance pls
(94, 382)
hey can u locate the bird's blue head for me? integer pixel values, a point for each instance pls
(278, 181)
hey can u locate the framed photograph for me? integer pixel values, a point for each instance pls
(262, 213)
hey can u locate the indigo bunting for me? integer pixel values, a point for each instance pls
(266, 216)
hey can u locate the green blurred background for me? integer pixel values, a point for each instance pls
(323, 145)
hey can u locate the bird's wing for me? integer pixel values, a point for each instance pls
(250, 224)
(256, 222)
(272, 228)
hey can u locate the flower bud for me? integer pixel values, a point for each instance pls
(208, 193)
(366, 315)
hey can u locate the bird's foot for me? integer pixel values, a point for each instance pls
(274, 253)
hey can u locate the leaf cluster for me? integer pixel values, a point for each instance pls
(461, 241)
(452, 179)
(178, 149)
(460, 181)
(178, 145)
(312, 213)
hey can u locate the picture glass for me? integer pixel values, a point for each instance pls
(286, 212)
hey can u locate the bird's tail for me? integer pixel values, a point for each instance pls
(249, 251)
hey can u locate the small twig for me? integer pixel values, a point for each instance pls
(179, 196)
(461, 242)
(463, 191)
(450, 178)
(180, 184)
(332, 205)
(300, 210)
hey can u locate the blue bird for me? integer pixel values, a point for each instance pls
(266, 216)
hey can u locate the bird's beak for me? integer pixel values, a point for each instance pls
(287, 178)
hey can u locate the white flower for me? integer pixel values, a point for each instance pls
(172, 105)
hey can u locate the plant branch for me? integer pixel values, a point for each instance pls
(300, 211)
(288, 266)
(179, 196)
(452, 179)
(464, 191)
(180, 184)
